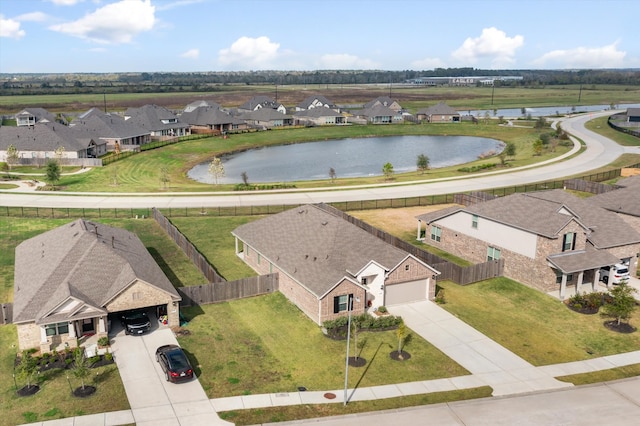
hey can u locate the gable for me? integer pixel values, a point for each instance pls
(139, 294)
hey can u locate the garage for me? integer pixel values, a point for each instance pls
(411, 291)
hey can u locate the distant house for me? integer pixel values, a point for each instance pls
(159, 121)
(118, 133)
(265, 118)
(39, 142)
(377, 114)
(316, 101)
(548, 239)
(262, 102)
(86, 272)
(319, 117)
(31, 116)
(201, 103)
(326, 263)
(211, 118)
(384, 101)
(440, 113)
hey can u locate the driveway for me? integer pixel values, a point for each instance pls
(153, 400)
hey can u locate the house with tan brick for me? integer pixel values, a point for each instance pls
(71, 281)
(326, 264)
(439, 113)
(549, 240)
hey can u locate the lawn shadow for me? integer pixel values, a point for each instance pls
(165, 267)
(194, 363)
(102, 376)
(188, 313)
(375, 354)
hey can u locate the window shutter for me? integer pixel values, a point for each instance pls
(336, 304)
(573, 243)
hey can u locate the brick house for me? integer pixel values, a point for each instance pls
(439, 113)
(69, 281)
(548, 239)
(325, 263)
(624, 201)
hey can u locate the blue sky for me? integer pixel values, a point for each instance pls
(66, 36)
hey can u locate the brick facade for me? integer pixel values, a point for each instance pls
(142, 295)
(412, 270)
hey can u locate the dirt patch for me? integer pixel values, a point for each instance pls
(396, 221)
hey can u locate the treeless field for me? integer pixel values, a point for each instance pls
(399, 221)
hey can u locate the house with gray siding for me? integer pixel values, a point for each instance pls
(325, 263)
(549, 239)
(70, 282)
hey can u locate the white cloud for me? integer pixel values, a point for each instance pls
(191, 54)
(428, 64)
(114, 23)
(344, 61)
(32, 17)
(65, 2)
(583, 57)
(10, 28)
(178, 3)
(250, 53)
(492, 44)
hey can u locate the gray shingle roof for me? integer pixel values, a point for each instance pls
(40, 114)
(43, 137)
(98, 125)
(439, 109)
(208, 116)
(315, 247)
(381, 100)
(260, 101)
(89, 261)
(577, 261)
(201, 103)
(307, 102)
(625, 200)
(153, 117)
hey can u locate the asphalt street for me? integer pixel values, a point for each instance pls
(600, 151)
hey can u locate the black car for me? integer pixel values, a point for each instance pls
(135, 322)
(174, 363)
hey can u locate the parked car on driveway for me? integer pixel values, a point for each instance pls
(135, 322)
(174, 363)
(616, 274)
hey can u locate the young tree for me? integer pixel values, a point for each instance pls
(26, 369)
(164, 176)
(52, 172)
(80, 365)
(332, 174)
(510, 149)
(538, 147)
(245, 178)
(422, 163)
(216, 169)
(401, 333)
(13, 156)
(387, 171)
(622, 302)
(114, 175)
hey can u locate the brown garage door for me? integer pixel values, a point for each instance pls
(405, 292)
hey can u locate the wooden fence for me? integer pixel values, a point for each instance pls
(187, 247)
(228, 290)
(6, 313)
(448, 271)
(589, 186)
(473, 198)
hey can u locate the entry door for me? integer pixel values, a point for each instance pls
(87, 326)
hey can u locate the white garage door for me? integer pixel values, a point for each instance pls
(405, 292)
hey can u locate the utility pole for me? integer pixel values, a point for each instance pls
(346, 366)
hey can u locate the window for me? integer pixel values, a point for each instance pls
(474, 221)
(407, 267)
(569, 241)
(559, 277)
(136, 295)
(340, 303)
(364, 280)
(493, 253)
(436, 233)
(59, 328)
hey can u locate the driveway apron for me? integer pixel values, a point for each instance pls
(493, 364)
(153, 400)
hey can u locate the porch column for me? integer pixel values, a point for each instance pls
(419, 229)
(72, 330)
(101, 325)
(236, 241)
(579, 282)
(563, 286)
(596, 277)
(43, 334)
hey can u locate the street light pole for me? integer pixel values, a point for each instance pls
(346, 363)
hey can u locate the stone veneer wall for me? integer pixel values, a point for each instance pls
(141, 295)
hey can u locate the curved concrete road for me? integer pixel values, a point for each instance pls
(600, 151)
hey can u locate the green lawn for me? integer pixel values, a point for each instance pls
(535, 326)
(54, 400)
(265, 344)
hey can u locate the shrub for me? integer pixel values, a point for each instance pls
(103, 341)
(383, 309)
(108, 356)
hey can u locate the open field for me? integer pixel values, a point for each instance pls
(410, 97)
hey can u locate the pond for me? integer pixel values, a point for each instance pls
(349, 158)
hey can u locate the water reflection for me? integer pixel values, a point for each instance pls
(348, 157)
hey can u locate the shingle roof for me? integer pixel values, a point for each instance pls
(45, 137)
(439, 109)
(96, 124)
(40, 114)
(577, 261)
(307, 102)
(201, 103)
(381, 100)
(86, 260)
(152, 117)
(207, 116)
(315, 247)
(624, 200)
(260, 100)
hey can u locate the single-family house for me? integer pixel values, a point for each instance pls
(326, 263)
(377, 114)
(265, 118)
(118, 133)
(624, 201)
(439, 113)
(201, 103)
(46, 140)
(72, 280)
(212, 119)
(384, 101)
(316, 101)
(32, 115)
(548, 239)
(318, 117)
(262, 102)
(161, 123)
